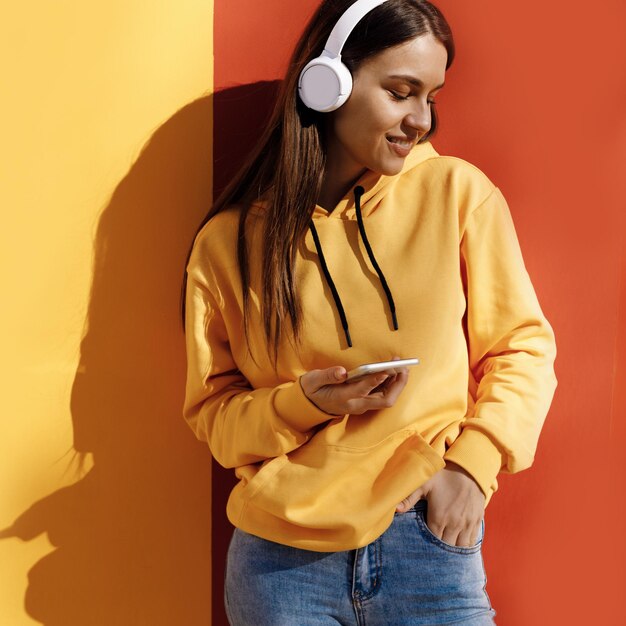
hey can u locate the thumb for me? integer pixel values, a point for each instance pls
(409, 501)
(316, 379)
(333, 375)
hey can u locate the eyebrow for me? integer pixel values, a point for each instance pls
(414, 81)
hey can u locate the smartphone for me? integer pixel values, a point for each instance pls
(374, 368)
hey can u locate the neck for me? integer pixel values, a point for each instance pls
(334, 188)
(340, 174)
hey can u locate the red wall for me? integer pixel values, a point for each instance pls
(535, 99)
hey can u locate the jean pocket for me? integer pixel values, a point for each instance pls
(429, 535)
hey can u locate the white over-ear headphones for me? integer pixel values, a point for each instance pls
(326, 83)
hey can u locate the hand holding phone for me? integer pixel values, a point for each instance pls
(327, 388)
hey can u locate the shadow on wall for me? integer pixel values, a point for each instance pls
(132, 538)
(239, 115)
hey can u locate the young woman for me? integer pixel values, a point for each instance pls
(347, 239)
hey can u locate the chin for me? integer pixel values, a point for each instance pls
(389, 169)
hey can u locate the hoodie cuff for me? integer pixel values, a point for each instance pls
(478, 456)
(295, 409)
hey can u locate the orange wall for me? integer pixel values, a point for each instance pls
(105, 163)
(535, 99)
(538, 104)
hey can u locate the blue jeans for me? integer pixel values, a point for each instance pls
(406, 577)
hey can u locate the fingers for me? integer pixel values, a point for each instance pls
(376, 392)
(463, 536)
(468, 536)
(394, 385)
(456, 530)
(364, 386)
(380, 386)
(393, 372)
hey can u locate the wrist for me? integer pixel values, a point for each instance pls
(308, 397)
(455, 467)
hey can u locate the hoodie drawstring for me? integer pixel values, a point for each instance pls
(331, 284)
(358, 192)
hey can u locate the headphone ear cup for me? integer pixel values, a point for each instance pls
(325, 84)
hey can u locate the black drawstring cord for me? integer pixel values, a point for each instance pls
(331, 284)
(358, 192)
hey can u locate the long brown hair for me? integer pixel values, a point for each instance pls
(287, 164)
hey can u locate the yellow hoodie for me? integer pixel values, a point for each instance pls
(443, 236)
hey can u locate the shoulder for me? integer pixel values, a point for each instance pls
(215, 244)
(453, 184)
(224, 225)
(464, 181)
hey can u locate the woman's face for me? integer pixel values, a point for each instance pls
(389, 108)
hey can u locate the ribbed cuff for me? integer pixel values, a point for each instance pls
(294, 408)
(478, 456)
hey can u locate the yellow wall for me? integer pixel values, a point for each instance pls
(106, 169)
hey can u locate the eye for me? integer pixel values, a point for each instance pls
(397, 96)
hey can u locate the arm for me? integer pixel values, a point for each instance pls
(511, 350)
(241, 425)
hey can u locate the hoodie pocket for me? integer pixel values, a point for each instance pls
(341, 488)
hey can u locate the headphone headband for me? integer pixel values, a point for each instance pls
(340, 33)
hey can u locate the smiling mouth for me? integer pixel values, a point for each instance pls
(403, 143)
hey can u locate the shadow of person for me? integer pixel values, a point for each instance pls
(240, 115)
(132, 537)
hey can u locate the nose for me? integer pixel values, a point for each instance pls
(420, 117)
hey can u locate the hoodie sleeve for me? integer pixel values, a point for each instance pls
(241, 425)
(511, 350)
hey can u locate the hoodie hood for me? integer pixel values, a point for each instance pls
(376, 185)
(360, 201)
